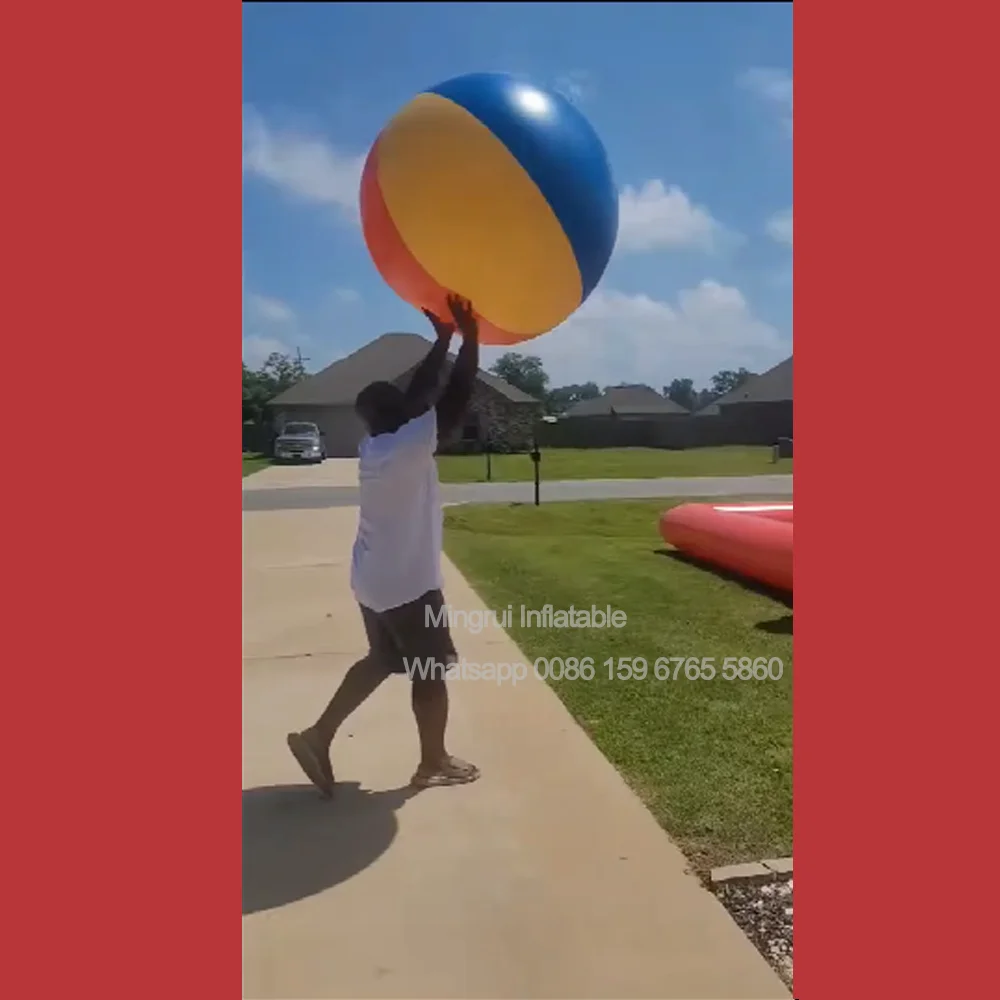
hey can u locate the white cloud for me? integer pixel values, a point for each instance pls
(269, 326)
(655, 217)
(303, 166)
(779, 227)
(773, 86)
(269, 310)
(634, 338)
(272, 325)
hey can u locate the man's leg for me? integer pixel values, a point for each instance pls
(430, 708)
(311, 747)
(415, 629)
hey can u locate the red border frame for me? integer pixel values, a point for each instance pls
(123, 607)
(122, 218)
(894, 725)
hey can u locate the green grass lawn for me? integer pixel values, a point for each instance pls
(254, 463)
(614, 463)
(712, 759)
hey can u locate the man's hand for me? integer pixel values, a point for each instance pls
(462, 314)
(443, 329)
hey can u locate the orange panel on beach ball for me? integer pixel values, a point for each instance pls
(399, 268)
(394, 262)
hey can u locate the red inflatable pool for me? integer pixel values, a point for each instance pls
(752, 539)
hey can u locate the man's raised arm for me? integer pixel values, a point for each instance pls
(454, 400)
(422, 391)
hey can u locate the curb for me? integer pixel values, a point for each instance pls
(753, 872)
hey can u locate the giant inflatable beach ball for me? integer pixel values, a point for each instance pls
(498, 191)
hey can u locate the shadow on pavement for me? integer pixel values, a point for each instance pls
(296, 843)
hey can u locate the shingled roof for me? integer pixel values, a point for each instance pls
(626, 400)
(386, 359)
(774, 386)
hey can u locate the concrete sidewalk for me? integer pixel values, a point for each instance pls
(547, 878)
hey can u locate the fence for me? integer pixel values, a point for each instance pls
(743, 423)
(740, 424)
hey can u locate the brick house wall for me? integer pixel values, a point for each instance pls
(501, 423)
(493, 419)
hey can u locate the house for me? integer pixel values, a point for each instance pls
(624, 416)
(774, 386)
(762, 405)
(499, 414)
(627, 402)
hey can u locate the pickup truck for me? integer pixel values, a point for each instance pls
(300, 442)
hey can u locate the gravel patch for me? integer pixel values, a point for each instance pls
(763, 912)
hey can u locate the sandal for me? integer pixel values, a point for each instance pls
(311, 763)
(455, 772)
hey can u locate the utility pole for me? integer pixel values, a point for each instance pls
(301, 360)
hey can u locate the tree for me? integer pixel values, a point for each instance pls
(278, 373)
(255, 396)
(681, 391)
(702, 398)
(727, 380)
(281, 372)
(563, 397)
(524, 372)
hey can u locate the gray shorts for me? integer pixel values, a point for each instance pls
(404, 633)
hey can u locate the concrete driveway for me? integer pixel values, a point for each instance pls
(547, 878)
(333, 472)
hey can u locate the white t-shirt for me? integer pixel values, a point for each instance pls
(397, 554)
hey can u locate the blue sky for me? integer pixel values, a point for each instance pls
(693, 103)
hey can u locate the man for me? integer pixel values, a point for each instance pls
(396, 566)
